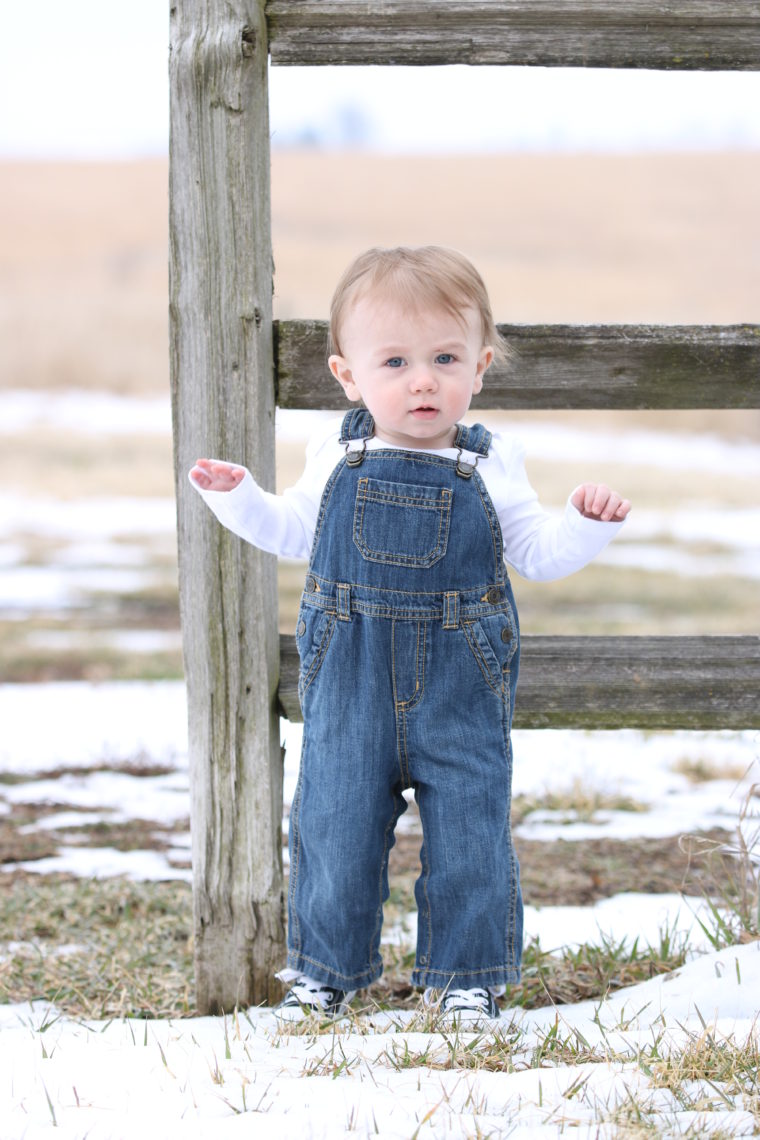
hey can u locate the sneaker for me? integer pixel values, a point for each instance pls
(307, 996)
(464, 1007)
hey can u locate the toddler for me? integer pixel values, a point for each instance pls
(408, 635)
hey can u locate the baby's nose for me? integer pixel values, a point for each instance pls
(423, 380)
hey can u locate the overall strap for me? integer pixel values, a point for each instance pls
(476, 439)
(357, 424)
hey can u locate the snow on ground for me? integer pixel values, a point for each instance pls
(381, 1075)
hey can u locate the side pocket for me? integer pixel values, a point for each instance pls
(493, 642)
(313, 635)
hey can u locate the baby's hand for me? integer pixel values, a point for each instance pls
(210, 475)
(595, 501)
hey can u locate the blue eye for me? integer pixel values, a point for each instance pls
(445, 358)
(394, 362)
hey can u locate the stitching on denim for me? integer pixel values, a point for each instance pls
(476, 438)
(434, 613)
(402, 754)
(419, 674)
(408, 494)
(475, 590)
(355, 981)
(319, 655)
(401, 745)
(500, 970)
(478, 655)
(497, 539)
(389, 829)
(294, 926)
(414, 457)
(514, 953)
(356, 424)
(451, 609)
(343, 595)
(442, 507)
(428, 918)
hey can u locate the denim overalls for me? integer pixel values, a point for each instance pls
(409, 646)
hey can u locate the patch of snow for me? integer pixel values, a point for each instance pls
(618, 919)
(79, 724)
(621, 919)
(163, 799)
(104, 863)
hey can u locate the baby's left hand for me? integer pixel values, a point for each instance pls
(595, 501)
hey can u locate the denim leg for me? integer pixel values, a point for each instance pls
(347, 802)
(468, 895)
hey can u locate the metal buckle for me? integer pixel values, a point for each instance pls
(464, 468)
(355, 455)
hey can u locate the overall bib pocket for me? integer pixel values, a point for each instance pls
(313, 635)
(401, 524)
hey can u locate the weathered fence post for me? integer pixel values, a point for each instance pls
(223, 406)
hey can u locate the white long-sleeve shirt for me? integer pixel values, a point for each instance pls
(538, 545)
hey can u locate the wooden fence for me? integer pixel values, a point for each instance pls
(229, 364)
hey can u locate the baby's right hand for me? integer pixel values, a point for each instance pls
(211, 475)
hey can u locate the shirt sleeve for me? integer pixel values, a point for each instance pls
(280, 524)
(539, 545)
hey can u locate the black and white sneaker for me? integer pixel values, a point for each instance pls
(464, 1007)
(306, 997)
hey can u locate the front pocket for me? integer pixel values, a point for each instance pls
(493, 642)
(402, 524)
(313, 636)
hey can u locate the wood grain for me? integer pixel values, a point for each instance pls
(617, 682)
(223, 404)
(705, 35)
(569, 366)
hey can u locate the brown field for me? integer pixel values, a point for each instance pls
(661, 238)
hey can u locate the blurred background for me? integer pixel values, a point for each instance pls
(582, 196)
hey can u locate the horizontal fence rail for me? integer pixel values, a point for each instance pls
(616, 682)
(705, 35)
(568, 366)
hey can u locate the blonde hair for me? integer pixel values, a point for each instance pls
(425, 277)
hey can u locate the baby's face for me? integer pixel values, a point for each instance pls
(415, 372)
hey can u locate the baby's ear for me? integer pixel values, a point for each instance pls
(485, 359)
(342, 373)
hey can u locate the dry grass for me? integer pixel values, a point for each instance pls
(557, 237)
(709, 1071)
(577, 803)
(704, 769)
(732, 877)
(109, 947)
(101, 948)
